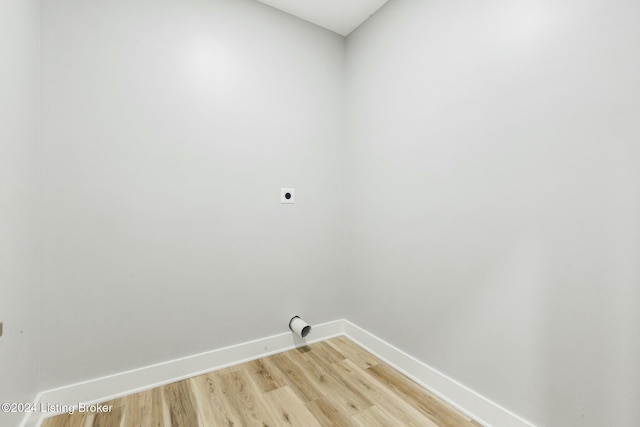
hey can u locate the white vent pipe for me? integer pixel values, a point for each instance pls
(299, 327)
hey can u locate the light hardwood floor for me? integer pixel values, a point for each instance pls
(330, 383)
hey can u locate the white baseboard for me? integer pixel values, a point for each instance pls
(125, 383)
(459, 396)
(137, 380)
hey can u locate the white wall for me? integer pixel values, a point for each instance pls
(495, 198)
(19, 116)
(493, 210)
(168, 129)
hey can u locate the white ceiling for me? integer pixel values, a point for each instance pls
(340, 16)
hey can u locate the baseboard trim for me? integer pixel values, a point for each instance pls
(122, 384)
(137, 380)
(464, 399)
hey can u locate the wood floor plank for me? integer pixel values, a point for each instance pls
(382, 397)
(213, 407)
(375, 417)
(347, 394)
(313, 371)
(65, 420)
(109, 419)
(179, 400)
(288, 409)
(331, 383)
(245, 396)
(348, 399)
(353, 352)
(296, 377)
(443, 414)
(323, 353)
(145, 409)
(89, 419)
(328, 413)
(265, 374)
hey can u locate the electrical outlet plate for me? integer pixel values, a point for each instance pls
(288, 195)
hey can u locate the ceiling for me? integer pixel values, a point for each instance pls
(339, 16)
